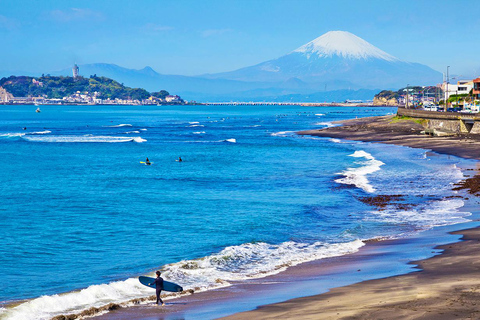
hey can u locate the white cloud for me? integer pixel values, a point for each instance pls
(155, 28)
(75, 14)
(7, 23)
(215, 32)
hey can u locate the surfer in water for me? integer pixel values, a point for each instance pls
(147, 162)
(179, 159)
(159, 286)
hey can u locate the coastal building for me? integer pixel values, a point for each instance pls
(476, 88)
(461, 87)
(173, 98)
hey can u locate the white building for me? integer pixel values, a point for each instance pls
(172, 99)
(461, 87)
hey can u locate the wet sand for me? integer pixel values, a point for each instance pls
(378, 259)
(447, 287)
(402, 133)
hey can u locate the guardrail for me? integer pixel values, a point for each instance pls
(414, 113)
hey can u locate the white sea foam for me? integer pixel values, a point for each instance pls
(198, 132)
(235, 263)
(334, 140)
(12, 135)
(120, 125)
(425, 216)
(319, 114)
(196, 125)
(358, 176)
(21, 134)
(327, 124)
(143, 129)
(194, 122)
(230, 140)
(129, 132)
(282, 133)
(82, 139)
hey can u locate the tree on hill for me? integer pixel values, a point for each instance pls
(161, 94)
(59, 87)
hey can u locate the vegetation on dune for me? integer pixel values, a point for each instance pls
(58, 87)
(396, 119)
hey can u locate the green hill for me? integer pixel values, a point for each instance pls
(59, 87)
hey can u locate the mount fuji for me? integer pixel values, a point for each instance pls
(335, 66)
(337, 60)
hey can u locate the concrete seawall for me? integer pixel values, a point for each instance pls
(446, 121)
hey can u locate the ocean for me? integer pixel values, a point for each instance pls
(81, 217)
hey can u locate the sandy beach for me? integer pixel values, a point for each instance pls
(448, 286)
(403, 133)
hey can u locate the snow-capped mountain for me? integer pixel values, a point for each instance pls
(338, 59)
(343, 44)
(337, 62)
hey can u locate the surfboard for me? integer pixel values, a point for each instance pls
(147, 164)
(167, 286)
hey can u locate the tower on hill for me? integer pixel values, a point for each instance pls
(75, 71)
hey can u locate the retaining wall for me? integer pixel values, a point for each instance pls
(446, 121)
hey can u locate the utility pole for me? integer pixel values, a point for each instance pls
(446, 90)
(406, 103)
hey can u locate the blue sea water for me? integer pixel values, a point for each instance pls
(80, 211)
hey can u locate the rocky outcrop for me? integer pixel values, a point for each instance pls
(5, 96)
(385, 101)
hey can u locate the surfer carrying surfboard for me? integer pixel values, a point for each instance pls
(158, 286)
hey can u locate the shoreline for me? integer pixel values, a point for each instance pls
(282, 286)
(447, 286)
(402, 133)
(309, 279)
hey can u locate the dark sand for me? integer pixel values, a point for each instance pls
(447, 288)
(402, 133)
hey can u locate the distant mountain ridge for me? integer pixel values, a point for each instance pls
(336, 61)
(340, 60)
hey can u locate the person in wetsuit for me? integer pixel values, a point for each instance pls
(147, 162)
(159, 286)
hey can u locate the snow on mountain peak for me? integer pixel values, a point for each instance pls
(344, 44)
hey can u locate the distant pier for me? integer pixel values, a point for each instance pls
(304, 104)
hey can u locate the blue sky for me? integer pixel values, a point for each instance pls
(196, 37)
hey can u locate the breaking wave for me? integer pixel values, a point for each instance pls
(120, 125)
(358, 176)
(82, 139)
(282, 133)
(425, 216)
(234, 263)
(327, 124)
